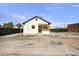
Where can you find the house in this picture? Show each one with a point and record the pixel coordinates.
(73, 27)
(36, 25)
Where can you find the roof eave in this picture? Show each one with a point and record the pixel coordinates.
(39, 18)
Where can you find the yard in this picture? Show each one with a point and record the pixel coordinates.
(54, 44)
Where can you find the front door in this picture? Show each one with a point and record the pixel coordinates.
(39, 29)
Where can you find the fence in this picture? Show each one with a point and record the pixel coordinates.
(5, 31)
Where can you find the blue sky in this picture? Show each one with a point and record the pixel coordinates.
(59, 14)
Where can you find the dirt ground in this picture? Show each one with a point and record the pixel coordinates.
(53, 44)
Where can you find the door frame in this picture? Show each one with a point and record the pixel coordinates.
(39, 29)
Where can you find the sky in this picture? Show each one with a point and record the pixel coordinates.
(58, 14)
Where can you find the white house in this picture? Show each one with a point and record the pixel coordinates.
(36, 25)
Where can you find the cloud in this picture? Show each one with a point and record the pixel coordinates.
(16, 18)
(75, 5)
(19, 16)
(49, 8)
(60, 24)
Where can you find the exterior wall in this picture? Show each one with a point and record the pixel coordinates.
(73, 27)
(27, 27)
(45, 31)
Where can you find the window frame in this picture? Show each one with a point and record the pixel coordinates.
(33, 26)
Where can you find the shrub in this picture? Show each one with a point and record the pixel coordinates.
(5, 31)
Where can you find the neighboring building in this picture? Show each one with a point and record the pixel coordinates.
(36, 25)
(73, 27)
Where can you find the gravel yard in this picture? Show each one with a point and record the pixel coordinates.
(54, 44)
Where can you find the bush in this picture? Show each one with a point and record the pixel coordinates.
(5, 31)
(59, 30)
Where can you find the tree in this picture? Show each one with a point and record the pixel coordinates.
(18, 25)
(8, 25)
(0, 26)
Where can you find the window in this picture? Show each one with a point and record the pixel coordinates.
(33, 26)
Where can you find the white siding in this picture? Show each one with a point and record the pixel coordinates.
(27, 27)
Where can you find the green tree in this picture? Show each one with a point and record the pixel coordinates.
(8, 25)
(18, 25)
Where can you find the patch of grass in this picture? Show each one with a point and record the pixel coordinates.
(75, 33)
(75, 47)
(30, 35)
(25, 37)
(52, 36)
